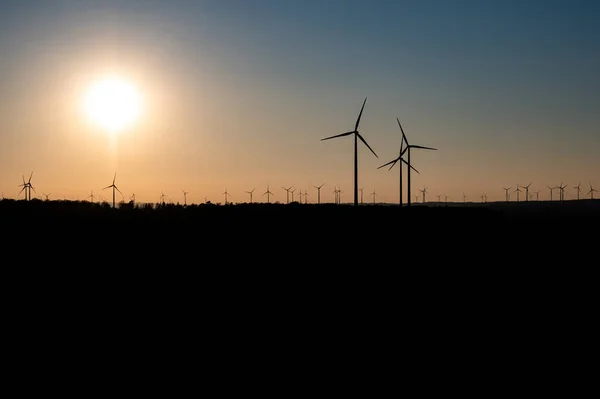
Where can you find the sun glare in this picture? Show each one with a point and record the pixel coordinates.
(113, 103)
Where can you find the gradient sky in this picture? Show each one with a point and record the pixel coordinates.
(237, 95)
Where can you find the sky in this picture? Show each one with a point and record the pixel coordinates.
(237, 94)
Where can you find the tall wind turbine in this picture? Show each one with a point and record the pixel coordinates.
(526, 192)
(507, 193)
(578, 188)
(113, 189)
(518, 190)
(393, 162)
(551, 189)
(185, 193)
(537, 195)
(357, 136)
(562, 191)
(287, 198)
(424, 191)
(250, 192)
(27, 187)
(226, 194)
(301, 194)
(268, 193)
(374, 194)
(407, 149)
(293, 191)
(319, 192)
(592, 191)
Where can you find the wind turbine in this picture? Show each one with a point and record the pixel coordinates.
(287, 198)
(507, 193)
(269, 193)
(591, 192)
(464, 198)
(537, 195)
(26, 187)
(226, 194)
(446, 198)
(132, 198)
(162, 197)
(361, 194)
(113, 189)
(439, 197)
(292, 191)
(357, 136)
(393, 162)
(424, 191)
(91, 196)
(319, 192)
(551, 189)
(562, 191)
(374, 194)
(518, 190)
(185, 193)
(305, 196)
(301, 194)
(250, 192)
(407, 148)
(577, 187)
(526, 192)
(46, 195)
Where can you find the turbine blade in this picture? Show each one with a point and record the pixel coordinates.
(118, 190)
(360, 114)
(423, 148)
(402, 130)
(391, 162)
(338, 135)
(106, 187)
(409, 165)
(30, 176)
(363, 140)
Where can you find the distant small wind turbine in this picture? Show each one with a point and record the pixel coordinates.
(91, 196)
(361, 194)
(27, 187)
(439, 197)
(268, 193)
(292, 191)
(526, 192)
(592, 191)
(518, 190)
(250, 192)
(301, 194)
(319, 192)
(537, 195)
(507, 193)
(357, 136)
(46, 195)
(162, 197)
(424, 191)
(446, 198)
(551, 189)
(464, 198)
(562, 191)
(113, 189)
(305, 196)
(374, 194)
(226, 194)
(185, 193)
(578, 188)
(287, 198)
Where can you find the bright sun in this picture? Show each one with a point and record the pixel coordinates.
(113, 103)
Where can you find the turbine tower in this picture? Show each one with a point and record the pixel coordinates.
(507, 193)
(526, 192)
(319, 192)
(374, 194)
(27, 187)
(578, 188)
(407, 149)
(393, 162)
(113, 189)
(250, 192)
(592, 191)
(226, 195)
(287, 198)
(357, 136)
(268, 193)
(424, 191)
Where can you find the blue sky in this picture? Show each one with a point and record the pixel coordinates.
(241, 92)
